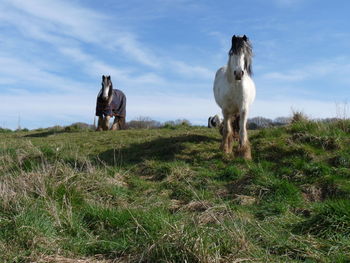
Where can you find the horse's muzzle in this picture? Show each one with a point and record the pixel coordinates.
(238, 74)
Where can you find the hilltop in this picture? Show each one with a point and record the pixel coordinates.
(170, 195)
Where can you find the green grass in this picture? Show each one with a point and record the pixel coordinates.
(170, 195)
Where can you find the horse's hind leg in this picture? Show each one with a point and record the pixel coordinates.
(235, 126)
(227, 138)
(122, 123)
(119, 123)
(244, 145)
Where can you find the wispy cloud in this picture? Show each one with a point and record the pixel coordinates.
(62, 23)
(67, 26)
(272, 108)
(191, 71)
(285, 76)
(64, 109)
(26, 74)
(331, 67)
(95, 68)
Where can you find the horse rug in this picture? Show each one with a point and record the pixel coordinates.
(115, 108)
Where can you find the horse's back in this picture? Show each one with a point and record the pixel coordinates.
(118, 104)
(220, 84)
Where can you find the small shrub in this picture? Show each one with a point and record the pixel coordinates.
(143, 123)
(176, 124)
(4, 130)
(79, 126)
(299, 116)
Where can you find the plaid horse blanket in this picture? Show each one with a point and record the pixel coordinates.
(116, 108)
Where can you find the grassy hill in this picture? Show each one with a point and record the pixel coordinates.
(170, 195)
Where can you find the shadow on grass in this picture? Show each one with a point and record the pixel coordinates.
(43, 134)
(161, 149)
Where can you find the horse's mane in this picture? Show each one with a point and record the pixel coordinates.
(243, 45)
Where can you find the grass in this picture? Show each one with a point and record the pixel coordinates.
(170, 195)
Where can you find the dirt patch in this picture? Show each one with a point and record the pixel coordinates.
(245, 199)
(214, 215)
(312, 193)
(197, 206)
(317, 193)
(175, 205)
(117, 180)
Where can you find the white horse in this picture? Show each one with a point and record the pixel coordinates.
(234, 92)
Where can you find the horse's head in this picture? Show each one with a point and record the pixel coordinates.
(107, 87)
(240, 56)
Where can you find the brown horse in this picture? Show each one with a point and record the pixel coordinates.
(110, 103)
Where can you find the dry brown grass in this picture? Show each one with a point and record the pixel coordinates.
(62, 259)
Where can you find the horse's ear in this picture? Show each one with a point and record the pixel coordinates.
(103, 77)
(233, 39)
(233, 44)
(245, 38)
(108, 77)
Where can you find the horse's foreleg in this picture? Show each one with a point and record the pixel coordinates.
(106, 123)
(226, 144)
(244, 145)
(100, 124)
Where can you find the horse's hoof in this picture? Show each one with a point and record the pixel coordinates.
(245, 152)
(115, 128)
(226, 150)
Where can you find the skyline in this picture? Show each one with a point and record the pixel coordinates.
(164, 55)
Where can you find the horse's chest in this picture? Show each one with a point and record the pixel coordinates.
(234, 94)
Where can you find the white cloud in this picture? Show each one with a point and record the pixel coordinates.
(335, 67)
(187, 70)
(131, 46)
(96, 68)
(61, 23)
(284, 106)
(45, 110)
(26, 74)
(288, 76)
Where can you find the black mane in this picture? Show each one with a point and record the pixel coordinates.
(242, 45)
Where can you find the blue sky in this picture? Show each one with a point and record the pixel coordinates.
(164, 54)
